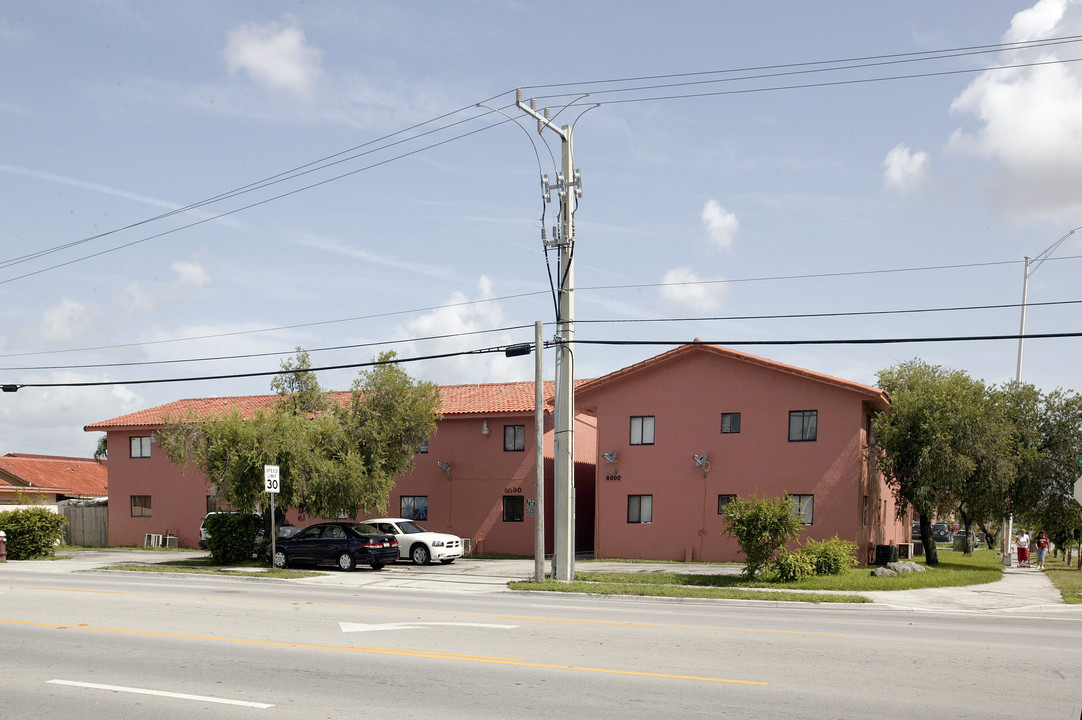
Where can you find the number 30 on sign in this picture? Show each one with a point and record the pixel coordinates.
(270, 478)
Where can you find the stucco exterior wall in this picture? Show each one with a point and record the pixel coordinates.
(178, 494)
(687, 397)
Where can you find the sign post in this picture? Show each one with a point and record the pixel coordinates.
(272, 484)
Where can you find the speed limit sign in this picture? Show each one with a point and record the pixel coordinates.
(270, 478)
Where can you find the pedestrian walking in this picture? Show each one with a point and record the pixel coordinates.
(1042, 548)
(1022, 543)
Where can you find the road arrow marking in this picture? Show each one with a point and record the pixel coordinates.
(361, 627)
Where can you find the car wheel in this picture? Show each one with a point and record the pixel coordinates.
(448, 561)
(281, 560)
(420, 555)
(377, 566)
(345, 562)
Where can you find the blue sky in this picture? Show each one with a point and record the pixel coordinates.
(710, 190)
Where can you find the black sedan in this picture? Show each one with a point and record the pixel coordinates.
(346, 544)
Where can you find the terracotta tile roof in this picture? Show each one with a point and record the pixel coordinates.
(879, 397)
(487, 398)
(65, 475)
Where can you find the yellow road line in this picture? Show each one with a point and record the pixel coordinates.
(391, 651)
(520, 618)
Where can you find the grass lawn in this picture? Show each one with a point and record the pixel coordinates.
(1066, 578)
(204, 566)
(954, 569)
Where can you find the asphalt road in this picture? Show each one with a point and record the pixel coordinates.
(116, 645)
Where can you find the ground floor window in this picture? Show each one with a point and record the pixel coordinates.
(140, 506)
(413, 507)
(640, 508)
(514, 508)
(803, 507)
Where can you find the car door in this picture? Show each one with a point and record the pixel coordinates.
(304, 545)
(330, 543)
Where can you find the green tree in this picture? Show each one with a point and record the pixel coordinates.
(333, 458)
(101, 452)
(762, 527)
(1046, 443)
(940, 445)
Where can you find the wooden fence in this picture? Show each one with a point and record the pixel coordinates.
(88, 525)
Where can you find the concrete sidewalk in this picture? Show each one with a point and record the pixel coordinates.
(1021, 591)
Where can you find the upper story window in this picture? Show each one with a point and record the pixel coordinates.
(424, 446)
(724, 500)
(642, 429)
(514, 438)
(140, 446)
(803, 425)
(730, 422)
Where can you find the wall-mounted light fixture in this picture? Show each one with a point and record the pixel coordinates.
(446, 467)
(700, 461)
(484, 428)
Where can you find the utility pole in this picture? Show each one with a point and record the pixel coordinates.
(569, 187)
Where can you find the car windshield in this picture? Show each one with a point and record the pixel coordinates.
(365, 530)
(410, 528)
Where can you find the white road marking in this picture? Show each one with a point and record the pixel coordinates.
(161, 693)
(360, 627)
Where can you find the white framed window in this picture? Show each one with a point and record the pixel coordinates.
(803, 507)
(140, 446)
(642, 429)
(640, 508)
(803, 425)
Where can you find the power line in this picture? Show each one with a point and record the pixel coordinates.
(13, 387)
(613, 321)
(633, 286)
(323, 163)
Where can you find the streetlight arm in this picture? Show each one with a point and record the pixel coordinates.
(1039, 260)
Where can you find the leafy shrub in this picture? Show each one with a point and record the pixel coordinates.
(32, 532)
(233, 538)
(792, 566)
(831, 557)
(762, 527)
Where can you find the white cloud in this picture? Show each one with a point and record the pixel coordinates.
(721, 225)
(1029, 119)
(275, 55)
(138, 298)
(66, 320)
(49, 421)
(904, 170)
(458, 317)
(684, 287)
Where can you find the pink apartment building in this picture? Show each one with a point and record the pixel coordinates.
(660, 447)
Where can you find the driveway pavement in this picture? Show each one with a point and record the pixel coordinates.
(1022, 590)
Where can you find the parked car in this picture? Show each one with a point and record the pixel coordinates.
(346, 544)
(203, 534)
(419, 545)
(941, 532)
(915, 537)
